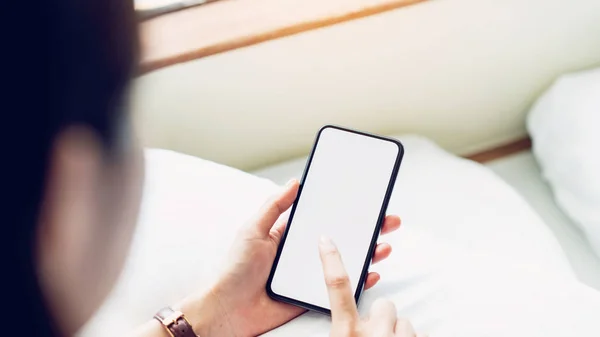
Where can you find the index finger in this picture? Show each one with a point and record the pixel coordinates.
(341, 299)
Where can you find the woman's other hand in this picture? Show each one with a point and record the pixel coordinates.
(382, 320)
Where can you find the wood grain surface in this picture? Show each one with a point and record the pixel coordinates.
(501, 151)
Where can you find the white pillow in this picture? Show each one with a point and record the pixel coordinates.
(565, 127)
(450, 200)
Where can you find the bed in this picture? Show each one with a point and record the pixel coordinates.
(472, 246)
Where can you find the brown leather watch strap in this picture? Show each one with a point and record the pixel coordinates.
(175, 323)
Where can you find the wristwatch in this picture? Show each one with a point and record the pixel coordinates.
(175, 323)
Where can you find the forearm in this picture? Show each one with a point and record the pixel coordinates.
(202, 311)
(151, 329)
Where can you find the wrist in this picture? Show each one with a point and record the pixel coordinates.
(206, 315)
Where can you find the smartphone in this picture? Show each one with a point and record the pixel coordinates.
(343, 194)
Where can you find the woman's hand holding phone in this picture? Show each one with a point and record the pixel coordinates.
(346, 322)
(238, 304)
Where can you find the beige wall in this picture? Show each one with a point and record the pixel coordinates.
(462, 72)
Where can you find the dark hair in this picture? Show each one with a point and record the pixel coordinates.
(70, 63)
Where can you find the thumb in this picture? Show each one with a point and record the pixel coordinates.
(275, 206)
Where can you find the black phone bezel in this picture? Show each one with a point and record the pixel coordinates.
(375, 235)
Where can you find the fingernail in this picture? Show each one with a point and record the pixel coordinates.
(326, 243)
(290, 182)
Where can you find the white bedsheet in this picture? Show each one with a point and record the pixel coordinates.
(522, 172)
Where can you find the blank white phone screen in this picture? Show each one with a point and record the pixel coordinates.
(342, 197)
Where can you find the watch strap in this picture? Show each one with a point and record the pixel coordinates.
(175, 323)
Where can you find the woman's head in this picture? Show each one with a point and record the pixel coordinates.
(75, 169)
